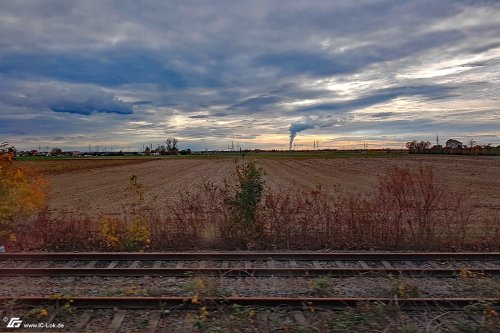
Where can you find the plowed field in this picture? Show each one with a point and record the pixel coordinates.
(103, 189)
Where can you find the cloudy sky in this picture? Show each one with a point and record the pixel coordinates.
(128, 73)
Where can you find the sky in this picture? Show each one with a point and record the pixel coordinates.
(120, 74)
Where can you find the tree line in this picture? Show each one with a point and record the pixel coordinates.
(452, 146)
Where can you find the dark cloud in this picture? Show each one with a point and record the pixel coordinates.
(102, 68)
(58, 97)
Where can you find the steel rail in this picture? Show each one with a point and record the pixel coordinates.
(185, 302)
(304, 256)
(242, 272)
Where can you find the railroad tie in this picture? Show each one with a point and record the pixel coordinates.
(91, 264)
(154, 320)
(69, 264)
(299, 318)
(363, 264)
(435, 265)
(117, 321)
(24, 264)
(135, 264)
(187, 325)
(339, 264)
(387, 264)
(84, 320)
(113, 264)
(262, 323)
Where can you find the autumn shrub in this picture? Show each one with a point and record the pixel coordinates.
(22, 194)
(412, 200)
(132, 234)
(51, 232)
(243, 199)
(409, 209)
(116, 235)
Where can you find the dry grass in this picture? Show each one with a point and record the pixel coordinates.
(409, 209)
(102, 190)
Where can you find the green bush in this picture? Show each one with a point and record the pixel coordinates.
(246, 197)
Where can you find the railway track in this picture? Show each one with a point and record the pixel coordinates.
(142, 302)
(285, 267)
(234, 264)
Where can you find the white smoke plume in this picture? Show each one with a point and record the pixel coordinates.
(308, 122)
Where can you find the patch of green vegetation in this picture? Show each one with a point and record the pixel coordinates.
(320, 284)
(361, 318)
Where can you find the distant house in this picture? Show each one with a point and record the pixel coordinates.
(454, 144)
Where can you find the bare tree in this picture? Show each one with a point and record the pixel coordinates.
(472, 143)
(168, 142)
(171, 145)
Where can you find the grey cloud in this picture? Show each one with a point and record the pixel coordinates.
(381, 114)
(147, 62)
(60, 97)
(257, 103)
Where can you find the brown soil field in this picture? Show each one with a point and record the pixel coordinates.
(101, 188)
(58, 166)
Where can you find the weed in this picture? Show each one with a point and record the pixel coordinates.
(346, 320)
(38, 312)
(304, 329)
(319, 284)
(405, 290)
(467, 326)
(136, 188)
(242, 312)
(408, 328)
(112, 231)
(487, 311)
(142, 323)
(117, 236)
(245, 199)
